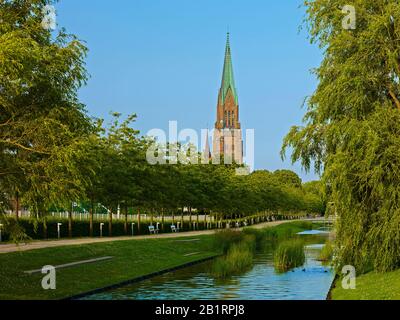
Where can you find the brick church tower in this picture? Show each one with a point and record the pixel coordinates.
(227, 139)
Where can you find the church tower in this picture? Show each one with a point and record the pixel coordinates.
(227, 139)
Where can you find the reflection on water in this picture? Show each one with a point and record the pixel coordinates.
(309, 282)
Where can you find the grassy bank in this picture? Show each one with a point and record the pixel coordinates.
(131, 259)
(371, 286)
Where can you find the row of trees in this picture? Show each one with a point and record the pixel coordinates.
(52, 153)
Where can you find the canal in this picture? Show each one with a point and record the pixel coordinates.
(311, 281)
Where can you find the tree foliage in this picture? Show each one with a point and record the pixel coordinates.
(42, 122)
(352, 127)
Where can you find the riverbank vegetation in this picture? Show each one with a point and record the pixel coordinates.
(326, 254)
(238, 258)
(285, 231)
(352, 129)
(289, 254)
(240, 247)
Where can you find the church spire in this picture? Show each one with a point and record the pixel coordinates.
(228, 80)
(207, 149)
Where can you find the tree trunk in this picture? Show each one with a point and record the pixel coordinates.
(44, 229)
(138, 216)
(182, 219)
(110, 215)
(126, 220)
(91, 218)
(70, 223)
(17, 205)
(162, 219)
(190, 219)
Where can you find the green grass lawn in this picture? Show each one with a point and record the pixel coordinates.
(371, 286)
(131, 259)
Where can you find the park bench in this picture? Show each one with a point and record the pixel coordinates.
(174, 228)
(153, 230)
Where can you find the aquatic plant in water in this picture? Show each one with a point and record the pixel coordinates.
(238, 259)
(326, 253)
(289, 255)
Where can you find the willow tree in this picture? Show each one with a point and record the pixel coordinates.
(352, 126)
(42, 122)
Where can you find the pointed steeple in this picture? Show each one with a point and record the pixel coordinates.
(207, 149)
(228, 80)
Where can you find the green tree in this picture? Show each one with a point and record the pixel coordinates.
(42, 122)
(352, 127)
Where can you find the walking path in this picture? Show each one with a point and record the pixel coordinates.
(7, 248)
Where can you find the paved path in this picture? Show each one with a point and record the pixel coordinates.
(7, 248)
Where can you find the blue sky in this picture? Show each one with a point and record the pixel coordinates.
(163, 60)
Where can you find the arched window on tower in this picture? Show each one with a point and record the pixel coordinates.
(226, 119)
(233, 118)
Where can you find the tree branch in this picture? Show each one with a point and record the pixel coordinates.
(395, 100)
(24, 147)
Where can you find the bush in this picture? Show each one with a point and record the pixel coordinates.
(289, 255)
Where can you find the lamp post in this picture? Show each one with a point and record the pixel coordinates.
(58, 230)
(101, 230)
(132, 225)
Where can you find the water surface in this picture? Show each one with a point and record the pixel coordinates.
(309, 282)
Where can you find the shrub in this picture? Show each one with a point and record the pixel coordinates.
(288, 255)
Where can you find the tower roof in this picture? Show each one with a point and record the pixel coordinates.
(207, 149)
(228, 80)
